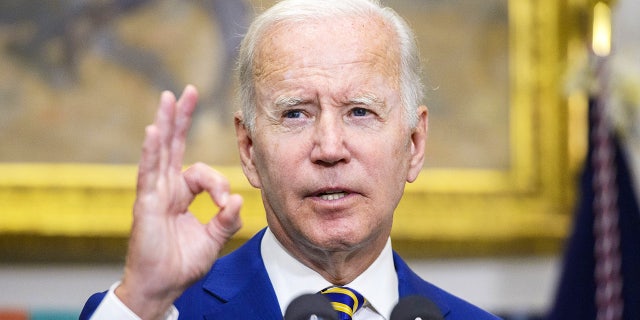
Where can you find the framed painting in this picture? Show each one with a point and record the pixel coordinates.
(79, 83)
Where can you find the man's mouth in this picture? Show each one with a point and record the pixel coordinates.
(333, 195)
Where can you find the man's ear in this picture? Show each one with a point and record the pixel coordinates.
(245, 146)
(418, 144)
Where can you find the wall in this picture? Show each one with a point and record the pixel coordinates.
(502, 285)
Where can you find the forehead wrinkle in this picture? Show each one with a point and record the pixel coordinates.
(267, 62)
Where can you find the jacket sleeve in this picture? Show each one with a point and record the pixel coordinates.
(91, 305)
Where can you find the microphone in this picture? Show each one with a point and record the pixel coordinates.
(416, 308)
(310, 307)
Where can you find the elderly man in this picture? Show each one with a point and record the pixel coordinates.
(331, 128)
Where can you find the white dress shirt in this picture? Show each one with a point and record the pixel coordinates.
(290, 279)
(112, 308)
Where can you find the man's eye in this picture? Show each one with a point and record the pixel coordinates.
(359, 112)
(293, 114)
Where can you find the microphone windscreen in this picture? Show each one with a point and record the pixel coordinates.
(307, 305)
(416, 307)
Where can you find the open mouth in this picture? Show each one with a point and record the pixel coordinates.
(333, 195)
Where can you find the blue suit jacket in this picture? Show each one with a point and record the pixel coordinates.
(238, 287)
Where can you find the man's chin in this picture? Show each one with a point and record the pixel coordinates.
(336, 242)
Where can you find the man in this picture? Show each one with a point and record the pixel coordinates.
(331, 129)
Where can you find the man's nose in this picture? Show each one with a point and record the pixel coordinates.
(329, 141)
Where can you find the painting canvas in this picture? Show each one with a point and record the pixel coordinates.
(79, 80)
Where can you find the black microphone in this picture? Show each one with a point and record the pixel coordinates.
(416, 308)
(310, 306)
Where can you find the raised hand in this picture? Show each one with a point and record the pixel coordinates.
(169, 248)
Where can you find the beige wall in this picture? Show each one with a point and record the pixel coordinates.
(499, 285)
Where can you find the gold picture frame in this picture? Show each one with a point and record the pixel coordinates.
(522, 209)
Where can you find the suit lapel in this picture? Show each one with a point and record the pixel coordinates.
(256, 301)
(242, 283)
(410, 283)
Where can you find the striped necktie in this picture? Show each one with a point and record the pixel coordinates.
(345, 300)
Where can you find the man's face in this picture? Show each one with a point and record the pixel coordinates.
(331, 150)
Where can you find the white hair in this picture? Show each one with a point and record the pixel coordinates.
(411, 88)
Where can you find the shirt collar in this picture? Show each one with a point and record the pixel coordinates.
(290, 278)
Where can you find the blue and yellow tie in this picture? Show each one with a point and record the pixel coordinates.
(345, 300)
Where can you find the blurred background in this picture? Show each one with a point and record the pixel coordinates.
(499, 216)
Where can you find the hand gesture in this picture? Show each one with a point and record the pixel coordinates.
(169, 248)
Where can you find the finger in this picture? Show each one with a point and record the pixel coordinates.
(182, 122)
(227, 222)
(148, 165)
(165, 125)
(200, 177)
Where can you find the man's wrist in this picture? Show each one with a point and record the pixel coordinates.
(141, 307)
